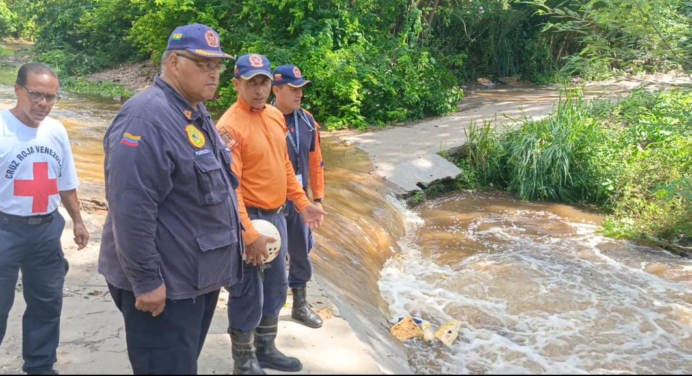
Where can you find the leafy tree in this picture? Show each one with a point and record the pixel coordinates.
(619, 35)
(8, 20)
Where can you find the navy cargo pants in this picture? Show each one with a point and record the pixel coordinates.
(36, 250)
(300, 243)
(170, 343)
(260, 294)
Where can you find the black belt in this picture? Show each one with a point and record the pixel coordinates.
(33, 220)
(257, 211)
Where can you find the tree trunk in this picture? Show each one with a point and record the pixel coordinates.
(431, 18)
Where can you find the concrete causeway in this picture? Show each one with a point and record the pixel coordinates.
(409, 155)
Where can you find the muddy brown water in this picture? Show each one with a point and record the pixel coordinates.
(536, 288)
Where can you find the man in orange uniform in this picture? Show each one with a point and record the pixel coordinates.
(256, 134)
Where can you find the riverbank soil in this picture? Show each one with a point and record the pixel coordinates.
(18, 52)
(135, 77)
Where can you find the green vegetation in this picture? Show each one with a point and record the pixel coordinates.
(377, 62)
(17, 19)
(632, 159)
(616, 36)
(5, 52)
(107, 89)
(374, 61)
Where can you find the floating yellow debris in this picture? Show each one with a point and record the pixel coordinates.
(406, 329)
(448, 332)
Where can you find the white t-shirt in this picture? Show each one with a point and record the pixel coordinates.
(35, 165)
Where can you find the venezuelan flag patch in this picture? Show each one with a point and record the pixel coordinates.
(131, 140)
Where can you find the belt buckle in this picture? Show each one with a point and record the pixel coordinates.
(35, 221)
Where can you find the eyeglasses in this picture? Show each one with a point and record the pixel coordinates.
(35, 96)
(207, 66)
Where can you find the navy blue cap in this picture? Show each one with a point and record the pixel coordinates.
(248, 66)
(289, 75)
(198, 39)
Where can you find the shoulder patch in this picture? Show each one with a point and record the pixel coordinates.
(227, 138)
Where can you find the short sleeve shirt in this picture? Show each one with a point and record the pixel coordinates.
(36, 164)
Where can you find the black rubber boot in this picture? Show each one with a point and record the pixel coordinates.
(244, 358)
(267, 353)
(301, 310)
(44, 372)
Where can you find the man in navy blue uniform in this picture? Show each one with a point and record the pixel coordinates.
(172, 238)
(303, 142)
(38, 173)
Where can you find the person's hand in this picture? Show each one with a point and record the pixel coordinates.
(319, 205)
(81, 235)
(256, 252)
(153, 302)
(313, 216)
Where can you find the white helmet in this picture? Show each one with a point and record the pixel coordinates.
(268, 229)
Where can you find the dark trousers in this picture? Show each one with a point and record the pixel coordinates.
(300, 243)
(36, 250)
(260, 294)
(171, 342)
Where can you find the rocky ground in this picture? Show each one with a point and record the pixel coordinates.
(135, 76)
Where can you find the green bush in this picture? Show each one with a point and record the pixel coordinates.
(78, 37)
(8, 20)
(652, 198)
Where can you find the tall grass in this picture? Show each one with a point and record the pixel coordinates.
(546, 159)
(486, 154)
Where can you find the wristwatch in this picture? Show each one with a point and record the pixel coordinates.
(318, 200)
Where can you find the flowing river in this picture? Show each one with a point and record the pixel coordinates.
(536, 288)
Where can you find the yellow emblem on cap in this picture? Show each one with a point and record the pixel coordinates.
(195, 136)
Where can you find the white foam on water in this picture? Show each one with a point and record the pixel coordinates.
(536, 303)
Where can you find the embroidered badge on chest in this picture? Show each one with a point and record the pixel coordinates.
(195, 136)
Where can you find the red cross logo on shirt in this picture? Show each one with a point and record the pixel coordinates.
(40, 189)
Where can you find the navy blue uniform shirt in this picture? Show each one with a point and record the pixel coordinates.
(173, 215)
(302, 131)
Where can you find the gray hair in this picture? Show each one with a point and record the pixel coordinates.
(164, 58)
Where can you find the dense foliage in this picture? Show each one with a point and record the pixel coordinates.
(615, 36)
(374, 61)
(631, 159)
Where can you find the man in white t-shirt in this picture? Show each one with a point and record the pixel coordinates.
(37, 172)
